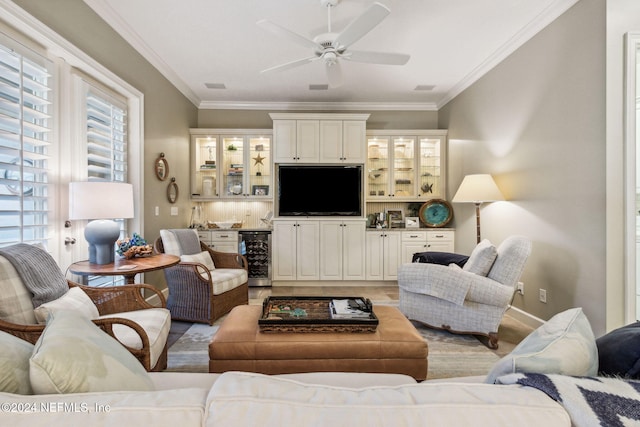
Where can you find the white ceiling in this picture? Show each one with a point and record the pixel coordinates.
(451, 42)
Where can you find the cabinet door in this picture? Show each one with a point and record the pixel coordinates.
(260, 167)
(331, 250)
(353, 250)
(284, 140)
(375, 255)
(392, 255)
(284, 238)
(430, 176)
(331, 141)
(308, 141)
(308, 245)
(354, 144)
(204, 156)
(233, 166)
(403, 180)
(378, 168)
(413, 242)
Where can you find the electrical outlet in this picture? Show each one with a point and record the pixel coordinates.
(520, 288)
(543, 295)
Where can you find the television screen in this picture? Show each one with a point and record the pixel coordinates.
(320, 190)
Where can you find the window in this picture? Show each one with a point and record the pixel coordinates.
(26, 116)
(106, 145)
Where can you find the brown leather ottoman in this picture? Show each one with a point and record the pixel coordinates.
(395, 347)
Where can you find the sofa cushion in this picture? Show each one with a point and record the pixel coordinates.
(203, 258)
(481, 258)
(14, 364)
(564, 345)
(15, 299)
(241, 399)
(180, 241)
(75, 299)
(619, 352)
(155, 321)
(73, 355)
(225, 279)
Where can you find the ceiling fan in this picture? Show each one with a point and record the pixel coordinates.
(332, 47)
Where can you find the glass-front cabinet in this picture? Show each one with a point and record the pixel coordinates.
(231, 163)
(406, 165)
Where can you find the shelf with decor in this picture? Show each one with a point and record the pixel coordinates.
(231, 163)
(405, 165)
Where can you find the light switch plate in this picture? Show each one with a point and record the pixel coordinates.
(174, 210)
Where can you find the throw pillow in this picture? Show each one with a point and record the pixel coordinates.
(75, 299)
(73, 355)
(14, 364)
(203, 258)
(564, 345)
(481, 258)
(619, 352)
(441, 258)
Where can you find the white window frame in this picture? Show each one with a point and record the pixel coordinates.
(68, 57)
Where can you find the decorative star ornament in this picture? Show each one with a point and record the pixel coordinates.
(258, 160)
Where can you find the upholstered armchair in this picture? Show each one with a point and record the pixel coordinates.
(206, 284)
(120, 311)
(471, 299)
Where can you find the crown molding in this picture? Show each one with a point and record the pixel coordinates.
(112, 19)
(542, 20)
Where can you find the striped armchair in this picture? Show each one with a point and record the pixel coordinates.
(468, 300)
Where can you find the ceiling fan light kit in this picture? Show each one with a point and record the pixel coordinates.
(333, 47)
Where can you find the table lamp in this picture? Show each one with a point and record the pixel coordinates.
(478, 188)
(101, 202)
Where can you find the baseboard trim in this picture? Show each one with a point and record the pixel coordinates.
(326, 283)
(524, 317)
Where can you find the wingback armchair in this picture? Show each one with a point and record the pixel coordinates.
(121, 311)
(471, 299)
(206, 284)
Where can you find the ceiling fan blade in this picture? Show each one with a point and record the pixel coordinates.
(385, 58)
(287, 34)
(362, 25)
(291, 64)
(334, 73)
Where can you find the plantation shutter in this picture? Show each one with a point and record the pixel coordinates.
(26, 111)
(106, 135)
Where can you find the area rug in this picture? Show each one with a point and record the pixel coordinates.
(450, 355)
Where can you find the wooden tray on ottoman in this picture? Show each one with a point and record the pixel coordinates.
(312, 314)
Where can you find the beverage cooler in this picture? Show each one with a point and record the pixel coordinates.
(255, 245)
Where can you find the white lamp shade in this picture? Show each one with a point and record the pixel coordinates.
(100, 200)
(477, 189)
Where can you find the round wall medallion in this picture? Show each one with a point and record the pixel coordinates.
(436, 213)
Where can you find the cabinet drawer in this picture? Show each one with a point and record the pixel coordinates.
(412, 236)
(204, 236)
(437, 236)
(224, 236)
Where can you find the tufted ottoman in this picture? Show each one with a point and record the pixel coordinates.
(395, 347)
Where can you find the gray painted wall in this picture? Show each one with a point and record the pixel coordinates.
(253, 119)
(536, 123)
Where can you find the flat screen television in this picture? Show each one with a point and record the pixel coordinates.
(320, 190)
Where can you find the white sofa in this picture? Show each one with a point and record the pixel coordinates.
(236, 399)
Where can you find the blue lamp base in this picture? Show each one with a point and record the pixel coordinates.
(102, 235)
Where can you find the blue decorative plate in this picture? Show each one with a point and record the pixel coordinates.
(436, 213)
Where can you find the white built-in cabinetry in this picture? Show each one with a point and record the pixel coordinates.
(319, 138)
(220, 240)
(296, 248)
(231, 163)
(342, 250)
(387, 249)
